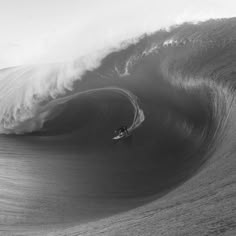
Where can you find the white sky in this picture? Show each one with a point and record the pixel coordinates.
(55, 30)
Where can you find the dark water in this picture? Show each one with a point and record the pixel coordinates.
(174, 176)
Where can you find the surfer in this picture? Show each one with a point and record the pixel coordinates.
(122, 131)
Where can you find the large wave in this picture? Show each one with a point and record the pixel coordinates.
(181, 79)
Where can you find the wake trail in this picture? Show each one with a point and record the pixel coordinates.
(139, 116)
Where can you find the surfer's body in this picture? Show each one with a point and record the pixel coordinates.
(121, 133)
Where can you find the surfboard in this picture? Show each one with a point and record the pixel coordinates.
(121, 136)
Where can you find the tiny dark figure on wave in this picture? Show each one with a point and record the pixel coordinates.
(122, 131)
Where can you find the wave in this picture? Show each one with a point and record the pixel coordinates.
(178, 83)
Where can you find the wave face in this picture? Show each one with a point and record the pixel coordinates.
(174, 90)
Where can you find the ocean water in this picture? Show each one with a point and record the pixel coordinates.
(61, 172)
